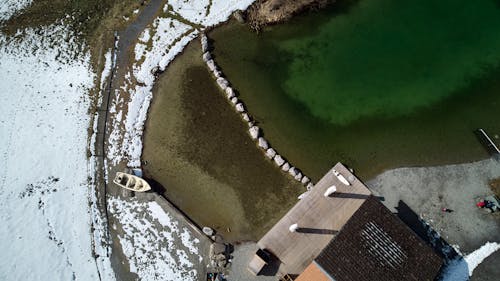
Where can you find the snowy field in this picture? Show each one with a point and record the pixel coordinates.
(44, 189)
(46, 178)
(168, 37)
(156, 246)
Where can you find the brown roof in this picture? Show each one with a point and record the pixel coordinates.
(313, 273)
(376, 245)
(319, 219)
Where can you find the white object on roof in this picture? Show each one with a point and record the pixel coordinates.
(293, 227)
(332, 189)
(341, 178)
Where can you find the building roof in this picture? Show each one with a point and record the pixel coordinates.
(319, 219)
(313, 273)
(376, 245)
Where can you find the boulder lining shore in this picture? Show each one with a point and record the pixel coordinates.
(254, 131)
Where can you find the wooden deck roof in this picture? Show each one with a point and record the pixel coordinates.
(319, 219)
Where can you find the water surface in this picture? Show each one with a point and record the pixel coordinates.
(375, 84)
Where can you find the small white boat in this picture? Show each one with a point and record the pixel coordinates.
(131, 182)
(341, 178)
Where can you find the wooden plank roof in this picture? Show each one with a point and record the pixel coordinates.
(377, 245)
(319, 219)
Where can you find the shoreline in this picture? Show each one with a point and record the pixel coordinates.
(269, 12)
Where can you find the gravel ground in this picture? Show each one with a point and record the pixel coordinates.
(457, 187)
(242, 255)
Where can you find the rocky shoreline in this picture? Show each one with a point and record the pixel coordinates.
(267, 12)
(254, 131)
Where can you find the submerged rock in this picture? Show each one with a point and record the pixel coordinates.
(239, 107)
(279, 160)
(270, 153)
(254, 132)
(263, 143)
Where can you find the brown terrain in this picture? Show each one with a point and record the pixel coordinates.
(266, 12)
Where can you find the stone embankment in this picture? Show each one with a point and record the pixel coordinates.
(254, 131)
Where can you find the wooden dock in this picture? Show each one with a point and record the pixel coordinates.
(487, 142)
(319, 218)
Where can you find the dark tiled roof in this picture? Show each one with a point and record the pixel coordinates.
(376, 245)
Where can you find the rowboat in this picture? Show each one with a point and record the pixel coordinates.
(131, 182)
(341, 178)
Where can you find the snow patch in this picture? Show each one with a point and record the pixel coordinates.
(8, 8)
(461, 268)
(44, 180)
(150, 240)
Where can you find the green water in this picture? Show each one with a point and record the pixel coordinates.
(376, 84)
(390, 58)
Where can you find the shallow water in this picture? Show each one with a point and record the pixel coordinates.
(374, 84)
(198, 148)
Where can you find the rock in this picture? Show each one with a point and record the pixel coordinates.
(218, 249)
(270, 153)
(221, 263)
(234, 100)
(263, 143)
(254, 132)
(239, 16)
(208, 231)
(156, 71)
(204, 43)
(279, 160)
(217, 73)
(245, 117)
(206, 56)
(222, 82)
(292, 171)
(285, 167)
(298, 177)
(211, 65)
(305, 180)
(250, 124)
(229, 93)
(239, 107)
(309, 186)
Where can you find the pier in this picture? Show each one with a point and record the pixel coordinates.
(487, 142)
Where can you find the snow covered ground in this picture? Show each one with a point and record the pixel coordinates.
(10, 7)
(46, 179)
(44, 188)
(156, 246)
(461, 269)
(166, 38)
